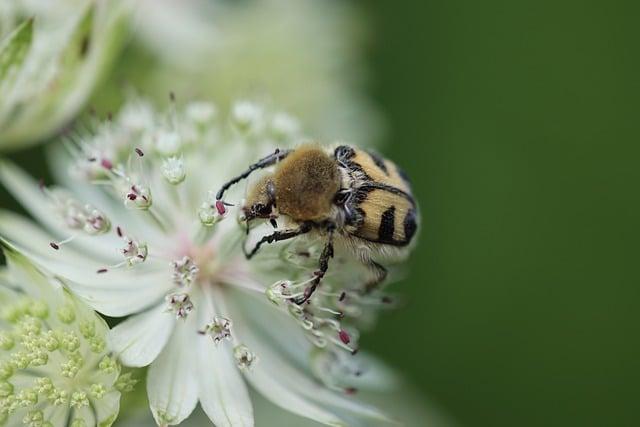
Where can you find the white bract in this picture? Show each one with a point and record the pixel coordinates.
(50, 64)
(55, 368)
(146, 239)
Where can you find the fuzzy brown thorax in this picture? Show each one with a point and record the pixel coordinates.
(306, 183)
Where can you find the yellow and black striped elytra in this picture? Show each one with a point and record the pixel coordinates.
(382, 209)
(339, 193)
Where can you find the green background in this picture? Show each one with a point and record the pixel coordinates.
(514, 119)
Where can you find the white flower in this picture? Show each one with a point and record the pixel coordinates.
(205, 319)
(306, 56)
(50, 63)
(54, 365)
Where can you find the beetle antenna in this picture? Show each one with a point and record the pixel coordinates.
(265, 162)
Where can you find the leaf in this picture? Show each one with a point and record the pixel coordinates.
(14, 48)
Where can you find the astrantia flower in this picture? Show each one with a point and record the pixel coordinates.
(261, 48)
(52, 54)
(138, 232)
(54, 365)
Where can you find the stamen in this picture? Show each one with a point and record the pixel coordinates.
(134, 251)
(77, 216)
(137, 197)
(185, 272)
(245, 358)
(173, 170)
(180, 305)
(106, 163)
(212, 210)
(95, 222)
(344, 336)
(57, 245)
(219, 329)
(220, 207)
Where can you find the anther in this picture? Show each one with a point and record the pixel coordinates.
(245, 358)
(185, 272)
(219, 329)
(220, 207)
(138, 197)
(58, 245)
(105, 163)
(344, 336)
(134, 251)
(180, 305)
(102, 271)
(139, 152)
(173, 170)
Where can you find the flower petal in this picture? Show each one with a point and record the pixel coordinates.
(172, 384)
(298, 391)
(223, 392)
(33, 239)
(117, 293)
(139, 339)
(27, 191)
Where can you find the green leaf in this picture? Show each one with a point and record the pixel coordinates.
(14, 48)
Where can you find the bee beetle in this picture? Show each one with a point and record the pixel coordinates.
(343, 194)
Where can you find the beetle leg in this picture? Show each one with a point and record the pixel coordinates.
(327, 253)
(277, 236)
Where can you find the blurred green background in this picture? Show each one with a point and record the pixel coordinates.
(513, 118)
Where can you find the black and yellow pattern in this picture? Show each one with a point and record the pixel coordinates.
(385, 209)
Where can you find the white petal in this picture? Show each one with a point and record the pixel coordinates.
(276, 370)
(116, 293)
(223, 392)
(172, 383)
(139, 339)
(27, 191)
(273, 325)
(33, 239)
(278, 382)
(120, 302)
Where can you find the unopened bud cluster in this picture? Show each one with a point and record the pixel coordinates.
(54, 366)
